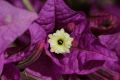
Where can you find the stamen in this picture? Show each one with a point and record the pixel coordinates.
(60, 41)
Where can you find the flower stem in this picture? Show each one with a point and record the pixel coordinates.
(28, 5)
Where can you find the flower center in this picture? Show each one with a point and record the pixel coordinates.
(60, 42)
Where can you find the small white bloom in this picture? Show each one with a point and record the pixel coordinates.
(60, 42)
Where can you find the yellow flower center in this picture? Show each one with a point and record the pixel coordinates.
(60, 42)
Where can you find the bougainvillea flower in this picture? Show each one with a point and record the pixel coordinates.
(104, 18)
(86, 53)
(104, 23)
(60, 42)
(102, 14)
(13, 23)
(112, 40)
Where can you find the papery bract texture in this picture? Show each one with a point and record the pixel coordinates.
(13, 23)
(55, 15)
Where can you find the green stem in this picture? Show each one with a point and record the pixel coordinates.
(28, 5)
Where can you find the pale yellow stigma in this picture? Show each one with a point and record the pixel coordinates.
(60, 42)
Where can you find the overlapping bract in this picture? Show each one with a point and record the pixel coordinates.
(86, 55)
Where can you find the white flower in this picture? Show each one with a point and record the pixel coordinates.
(60, 42)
